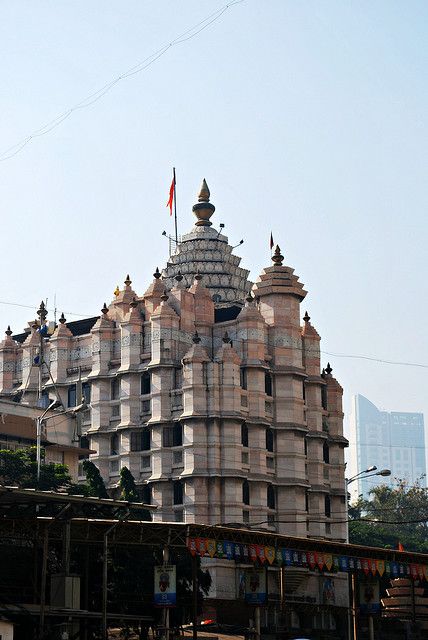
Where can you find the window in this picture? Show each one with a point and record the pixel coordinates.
(114, 466)
(177, 489)
(140, 440)
(177, 378)
(243, 378)
(326, 453)
(114, 445)
(71, 396)
(269, 440)
(86, 391)
(145, 463)
(305, 446)
(172, 436)
(84, 444)
(146, 386)
(146, 494)
(44, 400)
(304, 391)
(244, 435)
(268, 384)
(245, 492)
(177, 457)
(324, 397)
(270, 497)
(307, 501)
(327, 506)
(115, 389)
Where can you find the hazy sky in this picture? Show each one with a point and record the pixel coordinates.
(306, 117)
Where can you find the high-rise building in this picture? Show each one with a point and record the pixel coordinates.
(209, 388)
(388, 440)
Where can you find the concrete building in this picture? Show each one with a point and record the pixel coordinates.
(18, 431)
(209, 388)
(390, 440)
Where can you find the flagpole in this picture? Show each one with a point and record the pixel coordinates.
(175, 210)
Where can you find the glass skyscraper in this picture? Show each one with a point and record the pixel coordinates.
(390, 440)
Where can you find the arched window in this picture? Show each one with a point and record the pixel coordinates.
(270, 496)
(327, 506)
(245, 492)
(326, 452)
(244, 435)
(178, 492)
(269, 439)
(268, 384)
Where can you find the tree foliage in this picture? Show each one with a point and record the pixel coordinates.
(392, 515)
(96, 486)
(19, 469)
(128, 488)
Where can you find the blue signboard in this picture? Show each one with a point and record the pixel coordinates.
(165, 586)
(255, 586)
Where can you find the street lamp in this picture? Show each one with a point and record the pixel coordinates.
(382, 472)
(83, 406)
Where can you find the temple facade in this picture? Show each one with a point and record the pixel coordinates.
(209, 388)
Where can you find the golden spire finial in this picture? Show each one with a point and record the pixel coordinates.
(204, 192)
(203, 209)
(116, 291)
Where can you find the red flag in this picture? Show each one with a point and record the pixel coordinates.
(271, 241)
(171, 196)
(400, 546)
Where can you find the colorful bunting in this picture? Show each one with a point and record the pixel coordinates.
(270, 554)
(260, 554)
(211, 547)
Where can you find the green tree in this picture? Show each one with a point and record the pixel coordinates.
(392, 515)
(96, 486)
(127, 486)
(19, 469)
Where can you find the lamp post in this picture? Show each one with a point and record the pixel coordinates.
(382, 472)
(43, 418)
(367, 473)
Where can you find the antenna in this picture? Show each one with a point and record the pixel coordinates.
(221, 225)
(171, 240)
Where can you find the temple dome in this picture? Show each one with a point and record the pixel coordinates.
(205, 251)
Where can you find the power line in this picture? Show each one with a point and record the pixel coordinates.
(34, 307)
(373, 359)
(338, 355)
(138, 68)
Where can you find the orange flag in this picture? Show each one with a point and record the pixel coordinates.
(171, 196)
(400, 547)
